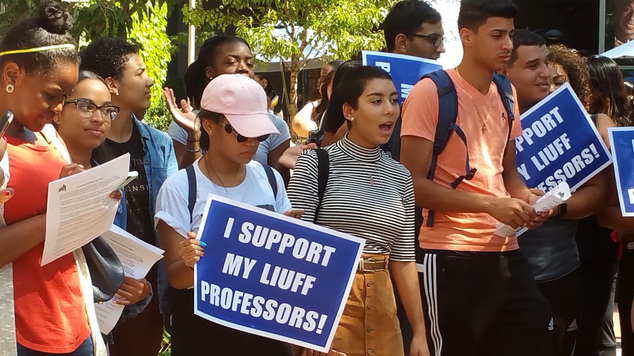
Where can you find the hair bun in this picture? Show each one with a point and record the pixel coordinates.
(54, 18)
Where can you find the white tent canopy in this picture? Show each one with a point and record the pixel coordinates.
(624, 50)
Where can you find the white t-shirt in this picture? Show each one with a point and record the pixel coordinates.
(273, 141)
(173, 197)
(179, 134)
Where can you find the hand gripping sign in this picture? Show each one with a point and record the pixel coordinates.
(271, 275)
(559, 143)
(405, 70)
(622, 145)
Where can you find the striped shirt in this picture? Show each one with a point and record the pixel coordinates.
(368, 195)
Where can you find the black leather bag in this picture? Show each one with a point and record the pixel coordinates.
(106, 270)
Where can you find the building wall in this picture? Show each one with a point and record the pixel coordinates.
(577, 19)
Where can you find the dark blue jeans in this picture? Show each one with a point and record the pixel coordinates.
(85, 349)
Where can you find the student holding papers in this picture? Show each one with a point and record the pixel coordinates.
(234, 119)
(53, 313)
(152, 156)
(83, 125)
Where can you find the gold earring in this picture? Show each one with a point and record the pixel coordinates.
(9, 88)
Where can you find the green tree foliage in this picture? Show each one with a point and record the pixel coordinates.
(311, 28)
(149, 33)
(142, 22)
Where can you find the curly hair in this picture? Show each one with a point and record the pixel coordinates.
(576, 70)
(107, 57)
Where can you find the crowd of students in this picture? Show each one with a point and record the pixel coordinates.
(453, 287)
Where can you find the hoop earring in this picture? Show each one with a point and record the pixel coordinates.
(9, 88)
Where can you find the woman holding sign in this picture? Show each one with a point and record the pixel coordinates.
(367, 195)
(234, 119)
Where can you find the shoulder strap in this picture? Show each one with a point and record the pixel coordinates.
(447, 108)
(191, 182)
(271, 177)
(323, 171)
(506, 94)
(51, 135)
(447, 114)
(594, 119)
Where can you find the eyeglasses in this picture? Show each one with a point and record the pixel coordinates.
(240, 138)
(87, 108)
(435, 38)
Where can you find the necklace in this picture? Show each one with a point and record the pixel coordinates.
(210, 169)
(370, 174)
(361, 164)
(484, 121)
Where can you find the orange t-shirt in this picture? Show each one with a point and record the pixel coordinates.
(50, 311)
(464, 231)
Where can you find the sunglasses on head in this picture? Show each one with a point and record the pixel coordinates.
(240, 138)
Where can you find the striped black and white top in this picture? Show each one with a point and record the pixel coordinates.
(368, 195)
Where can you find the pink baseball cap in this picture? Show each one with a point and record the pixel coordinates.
(242, 101)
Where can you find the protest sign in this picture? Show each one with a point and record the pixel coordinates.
(622, 145)
(559, 143)
(271, 275)
(405, 70)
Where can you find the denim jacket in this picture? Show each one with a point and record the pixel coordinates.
(159, 162)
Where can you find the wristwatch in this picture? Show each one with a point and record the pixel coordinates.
(562, 209)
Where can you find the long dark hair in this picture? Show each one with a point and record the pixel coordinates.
(49, 27)
(319, 110)
(350, 89)
(195, 77)
(332, 122)
(608, 91)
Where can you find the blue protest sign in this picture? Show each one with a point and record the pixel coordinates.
(559, 143)
(622, 145)
(271, 275)
(405, 70)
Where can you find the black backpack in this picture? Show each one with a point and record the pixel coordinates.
(447, 114)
